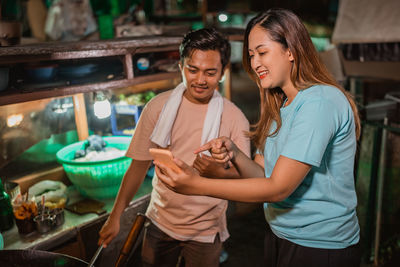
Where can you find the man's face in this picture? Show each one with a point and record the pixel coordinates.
(201, 73)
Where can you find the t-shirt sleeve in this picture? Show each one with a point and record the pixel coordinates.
(240, 125)
(140, 144)
(313, 127)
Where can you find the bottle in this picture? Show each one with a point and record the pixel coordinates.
(6, 211)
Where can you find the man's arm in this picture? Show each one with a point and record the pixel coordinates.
(131, 182)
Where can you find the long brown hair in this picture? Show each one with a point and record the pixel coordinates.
(284, 27)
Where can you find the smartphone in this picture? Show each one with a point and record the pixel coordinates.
(165, 157)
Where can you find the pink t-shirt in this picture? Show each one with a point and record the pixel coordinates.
(180, 216)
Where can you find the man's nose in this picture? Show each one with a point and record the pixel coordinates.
(201, 78)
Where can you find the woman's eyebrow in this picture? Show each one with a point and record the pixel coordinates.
(258, 46)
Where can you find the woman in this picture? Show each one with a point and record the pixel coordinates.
(306, 137)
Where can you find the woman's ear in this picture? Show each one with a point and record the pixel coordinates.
(290, 55)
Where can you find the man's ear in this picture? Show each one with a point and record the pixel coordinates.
(223, 74)
(180, 66)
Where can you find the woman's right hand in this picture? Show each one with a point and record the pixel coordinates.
(222, 149)
(109, 230)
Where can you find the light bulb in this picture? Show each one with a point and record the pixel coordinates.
(222, 17)
(14, 120)
(102, 109)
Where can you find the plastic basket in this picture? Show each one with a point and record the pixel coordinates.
(96, 179)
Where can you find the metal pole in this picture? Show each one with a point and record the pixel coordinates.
(381, 180)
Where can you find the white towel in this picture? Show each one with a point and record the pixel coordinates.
(162, 131)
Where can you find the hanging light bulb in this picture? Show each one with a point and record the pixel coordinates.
(102, 107)
(14, 120)
(222, 17)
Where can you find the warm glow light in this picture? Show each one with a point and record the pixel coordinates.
(14, 120)
(222, 17)
(102, 109)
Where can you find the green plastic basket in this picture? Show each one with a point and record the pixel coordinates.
(96, 179)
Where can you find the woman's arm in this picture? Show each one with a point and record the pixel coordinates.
(224, 150)
(285, 178)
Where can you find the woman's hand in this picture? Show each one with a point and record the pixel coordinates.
(109, 230)
(222, 149)
(183, 182)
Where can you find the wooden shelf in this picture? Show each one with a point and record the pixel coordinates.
(137, 84)
(86, 49)
(125, 47)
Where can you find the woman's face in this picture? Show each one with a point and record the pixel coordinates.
(269, 60)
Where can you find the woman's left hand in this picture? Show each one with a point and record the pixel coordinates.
(183, 182)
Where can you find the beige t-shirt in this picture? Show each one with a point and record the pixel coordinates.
(180, 216)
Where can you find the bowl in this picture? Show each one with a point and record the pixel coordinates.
(41, 73)
(96, 179)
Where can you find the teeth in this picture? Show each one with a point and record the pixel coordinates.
(263, 72)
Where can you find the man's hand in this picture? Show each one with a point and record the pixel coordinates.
(208, 167)
(109, 230)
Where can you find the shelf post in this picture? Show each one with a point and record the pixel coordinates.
(128, 67)
(80, 116)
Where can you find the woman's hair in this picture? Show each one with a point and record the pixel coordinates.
(205, 39)
(284, 27)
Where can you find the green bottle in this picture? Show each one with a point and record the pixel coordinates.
(6, 211)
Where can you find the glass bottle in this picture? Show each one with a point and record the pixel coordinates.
(6, 211)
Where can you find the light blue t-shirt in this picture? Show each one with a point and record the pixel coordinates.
(318, 128)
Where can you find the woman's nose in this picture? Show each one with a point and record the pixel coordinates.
(255, 62)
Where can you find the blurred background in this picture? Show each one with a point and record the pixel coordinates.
(112, 56)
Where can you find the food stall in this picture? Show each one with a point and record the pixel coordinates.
(63, 78)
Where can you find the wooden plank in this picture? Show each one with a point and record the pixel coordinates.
(228, 83)
(158, 85)
(11, 98)
(80, 116)
(154, 42)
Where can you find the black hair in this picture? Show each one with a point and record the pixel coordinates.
(205, 39)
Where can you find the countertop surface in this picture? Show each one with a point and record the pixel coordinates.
(70, 227)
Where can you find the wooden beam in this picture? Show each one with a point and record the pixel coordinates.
(228, 83)
(128, 67)
(80, 116)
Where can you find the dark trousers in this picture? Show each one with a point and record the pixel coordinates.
(161, 250)
(283, 253)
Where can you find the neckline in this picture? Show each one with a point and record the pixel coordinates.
(283, 107)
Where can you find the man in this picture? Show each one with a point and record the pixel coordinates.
(191, 227)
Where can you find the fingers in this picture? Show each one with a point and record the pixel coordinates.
(185, 168)
(205, 147)
(214, 144)
(105, 239)
(162, 173)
